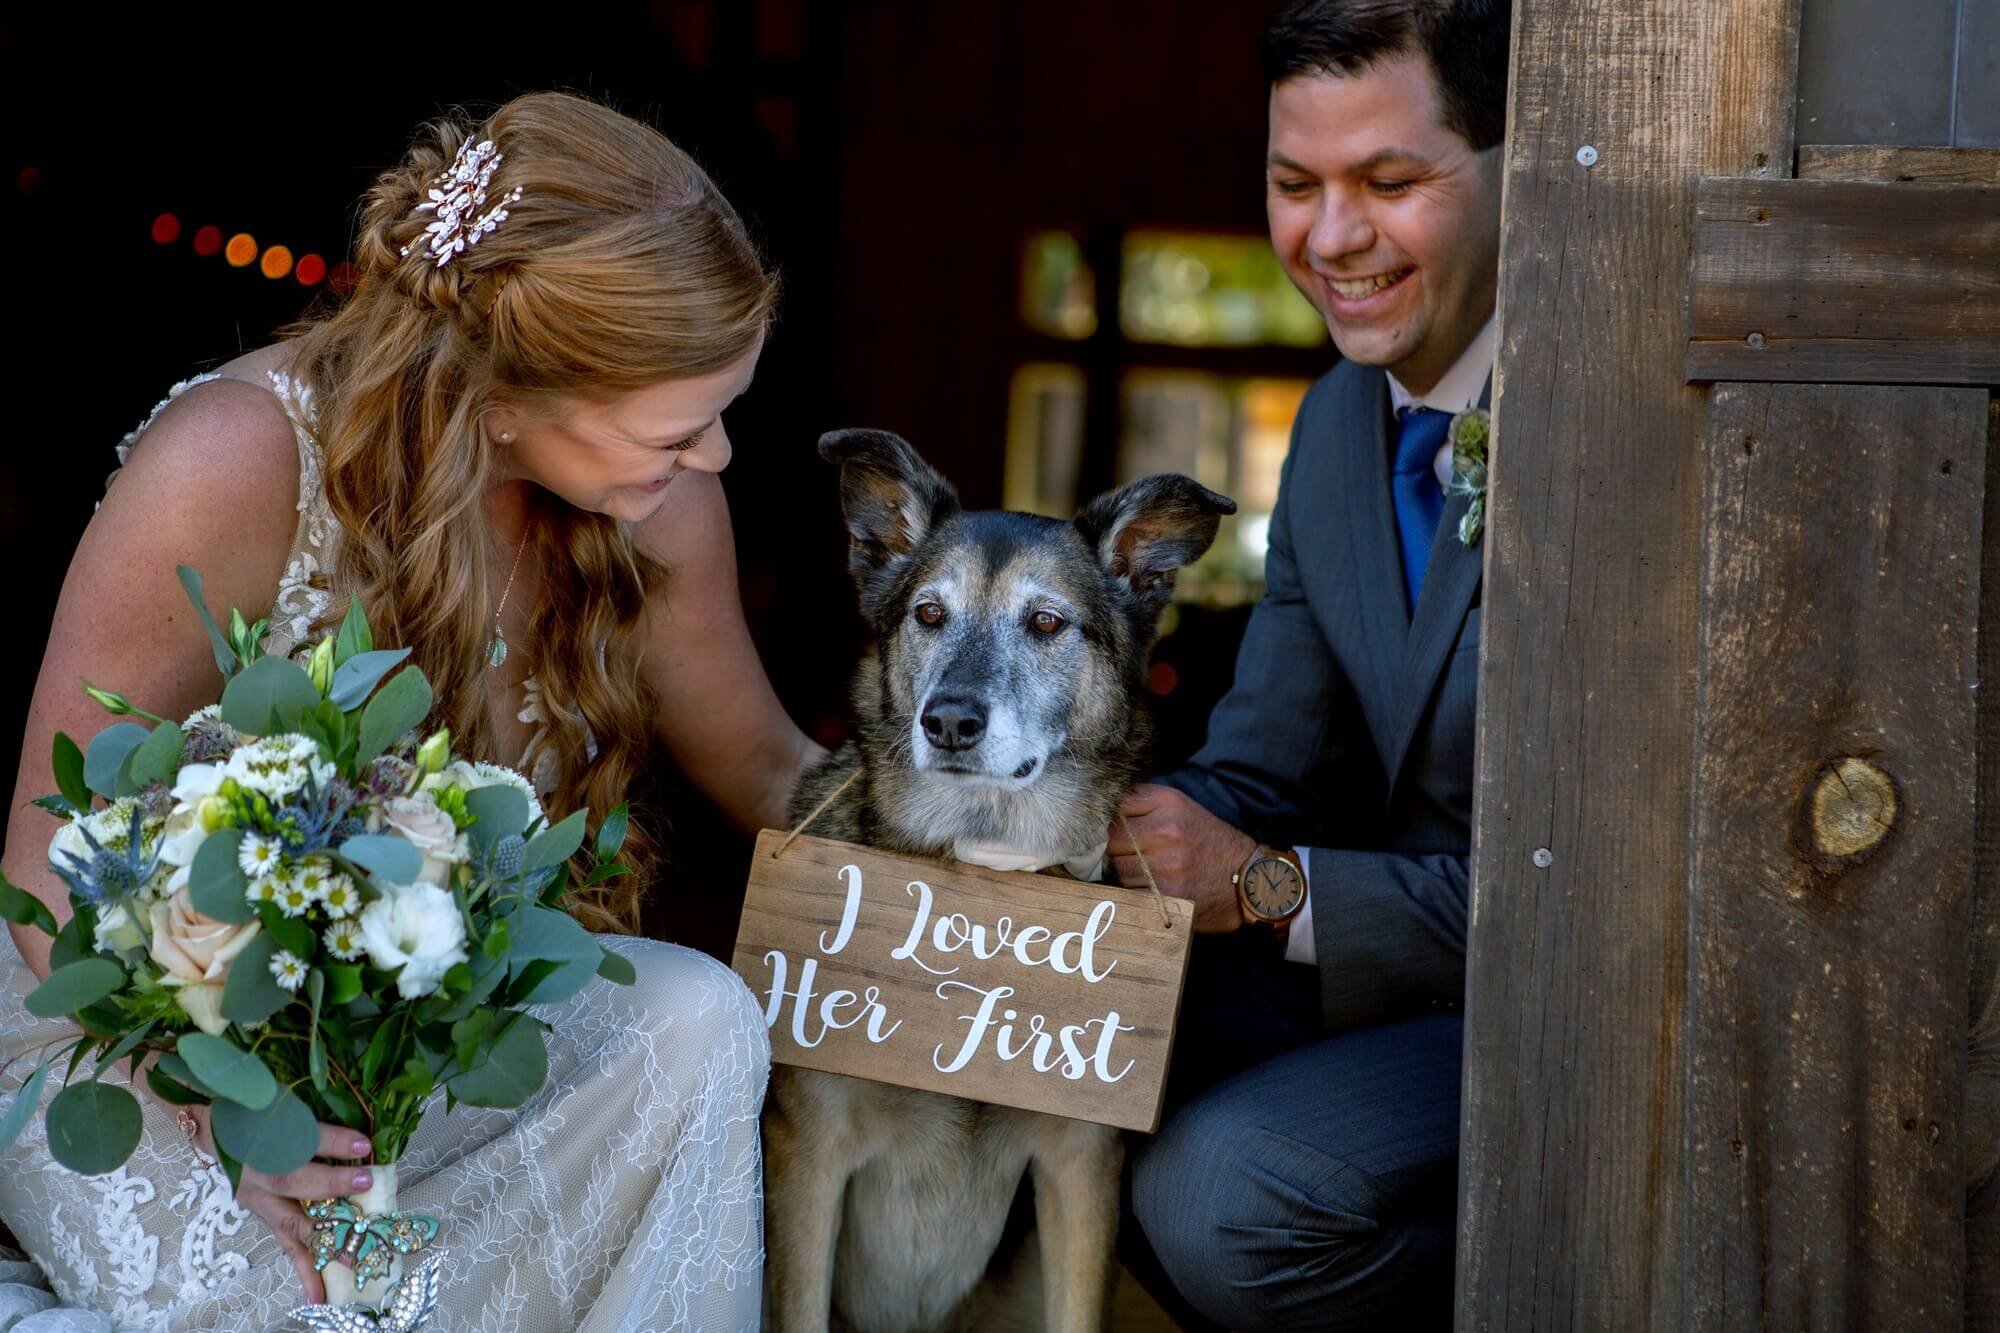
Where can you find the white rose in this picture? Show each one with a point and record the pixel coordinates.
(416, 928)
(117, 931)
(418, 821)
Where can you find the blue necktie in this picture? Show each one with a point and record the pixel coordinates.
(1419, 499)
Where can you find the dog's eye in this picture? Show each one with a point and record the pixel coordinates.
(1046, 623)
(930, 614)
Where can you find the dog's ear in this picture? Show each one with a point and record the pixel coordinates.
(1145, 531)
(892, 500)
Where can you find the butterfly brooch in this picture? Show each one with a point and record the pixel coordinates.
(411, 1304)
(368, 1245)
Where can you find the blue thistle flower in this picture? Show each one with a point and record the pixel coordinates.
(105, 874)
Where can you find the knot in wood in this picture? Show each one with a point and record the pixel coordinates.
(1853, 808)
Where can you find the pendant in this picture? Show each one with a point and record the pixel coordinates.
(499, 653)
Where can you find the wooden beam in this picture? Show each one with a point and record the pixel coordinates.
(1833, 832)
(1886, 162)
(1823, 281)
(1572, 1179)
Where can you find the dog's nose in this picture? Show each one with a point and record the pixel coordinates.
(954, 724)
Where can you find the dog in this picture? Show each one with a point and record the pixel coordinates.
(999, 708)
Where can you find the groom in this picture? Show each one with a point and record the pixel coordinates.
(1307, 1177)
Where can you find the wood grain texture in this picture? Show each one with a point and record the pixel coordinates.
(794, 906)
(1886, 162)
(1572, 1189)
(1845, 281)
(1982, 1066)
(1833, 829)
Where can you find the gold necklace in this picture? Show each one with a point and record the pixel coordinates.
(498, 652)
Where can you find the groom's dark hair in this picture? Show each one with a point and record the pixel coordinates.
(1464, 40)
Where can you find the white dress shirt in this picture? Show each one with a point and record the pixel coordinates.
(1462, 387)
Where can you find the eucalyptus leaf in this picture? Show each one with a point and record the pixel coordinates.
(76, 940)
(515, 1067)
(231, 1074)
(252, 994)
(398, 706)
(216, 881)
(59, 806)
(356, 678)
(75, 986)
(171, 1064)
(280, 1137)
(225, 656)
(25, 1103)
(617, 967)
(554, 845)
(500, 811)
(109, 750)
(385, 859)
(93, 1127)
(158, 758)
(69, 772)
(269, 695)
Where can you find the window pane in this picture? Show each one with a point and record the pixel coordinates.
(1044, 439)
(1231, 435)
(1058, 289)
(1204, 289)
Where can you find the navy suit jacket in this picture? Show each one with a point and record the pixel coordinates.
(1349, 726)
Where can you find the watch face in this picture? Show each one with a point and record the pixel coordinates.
(1273, 888)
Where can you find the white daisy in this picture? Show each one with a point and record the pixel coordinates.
(264, 888)
(278, 766)
(286, 967)
(312, 875)
(257, 855)
(293, 899)
(343, 939)
(339, 896)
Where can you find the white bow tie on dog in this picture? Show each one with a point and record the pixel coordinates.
(1086, 865)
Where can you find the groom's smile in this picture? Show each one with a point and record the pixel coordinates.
(1383, 216)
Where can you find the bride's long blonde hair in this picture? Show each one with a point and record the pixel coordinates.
(621, 266)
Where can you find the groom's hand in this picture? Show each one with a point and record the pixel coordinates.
(1193, 855)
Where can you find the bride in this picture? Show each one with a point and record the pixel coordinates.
(505, 445)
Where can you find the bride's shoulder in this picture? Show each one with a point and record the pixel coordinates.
(230, 426)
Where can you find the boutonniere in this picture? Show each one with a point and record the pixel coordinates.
(1470, 433)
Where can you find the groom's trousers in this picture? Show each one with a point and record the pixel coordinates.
(1298, 1181)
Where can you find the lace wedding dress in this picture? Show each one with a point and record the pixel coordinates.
(626, 1196)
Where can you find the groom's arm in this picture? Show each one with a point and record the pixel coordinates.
(1387, 930)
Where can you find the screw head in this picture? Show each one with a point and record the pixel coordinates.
(1586, 156)
(1755, 340)
(1543, 858)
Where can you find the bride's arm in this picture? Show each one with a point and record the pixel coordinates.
(213, 484)
(718, 714)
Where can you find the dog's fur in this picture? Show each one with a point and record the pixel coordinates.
(886, 1205)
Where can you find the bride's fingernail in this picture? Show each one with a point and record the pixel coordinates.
(360, 1147)
(362, 1180)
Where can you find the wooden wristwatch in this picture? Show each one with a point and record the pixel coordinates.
(1271, 886)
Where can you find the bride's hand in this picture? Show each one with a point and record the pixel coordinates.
(276, 1199)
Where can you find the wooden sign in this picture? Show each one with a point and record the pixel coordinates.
(1019, 989)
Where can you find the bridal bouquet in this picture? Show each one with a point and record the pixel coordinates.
(291, 910)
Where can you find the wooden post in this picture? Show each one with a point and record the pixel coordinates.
(1573, 1172)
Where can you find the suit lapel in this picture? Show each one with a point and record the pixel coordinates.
(1451, 580)
(1375, 557)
